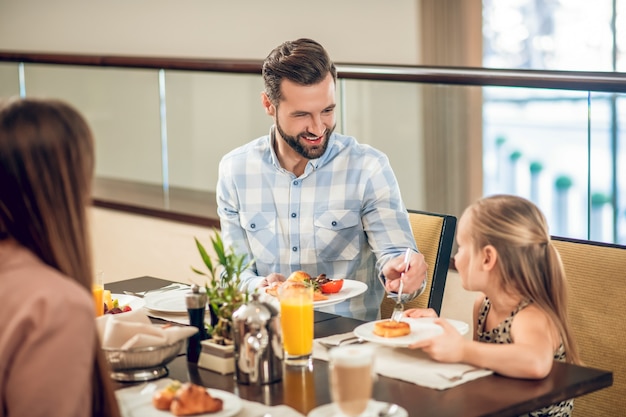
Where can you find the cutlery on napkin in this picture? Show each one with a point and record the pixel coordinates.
(411, 365)
(134, 329)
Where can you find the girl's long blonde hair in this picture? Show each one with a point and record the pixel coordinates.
(529, 264)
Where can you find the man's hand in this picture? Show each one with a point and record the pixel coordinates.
(413, 278)
(271, 279)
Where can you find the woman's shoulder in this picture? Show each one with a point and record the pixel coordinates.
(29, 281)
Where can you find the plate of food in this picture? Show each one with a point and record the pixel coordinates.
(121, 303)
(328, 291)
(169, 397)
(406, 332)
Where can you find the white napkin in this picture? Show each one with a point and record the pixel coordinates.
(134, 329)
(137, 402)
(411, 365)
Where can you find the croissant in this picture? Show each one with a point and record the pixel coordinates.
(162, 400)
(193, 399)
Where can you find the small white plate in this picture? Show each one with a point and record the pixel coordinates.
(421, 328)
(171, 301)
(351, 288)
(329, 410)
(137, 401)
(135, 303)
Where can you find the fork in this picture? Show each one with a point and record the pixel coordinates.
(347, 341)
(398, 309)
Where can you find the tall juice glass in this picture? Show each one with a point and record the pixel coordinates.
(97, 290)
(296, 322)
(299, 388)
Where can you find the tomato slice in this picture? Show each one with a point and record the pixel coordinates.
(332, 286)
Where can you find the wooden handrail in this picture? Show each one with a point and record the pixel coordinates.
(566, 80)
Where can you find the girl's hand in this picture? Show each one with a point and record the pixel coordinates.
(420, 312)
(447, 347)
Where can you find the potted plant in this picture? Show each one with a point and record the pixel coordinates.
(222, 287)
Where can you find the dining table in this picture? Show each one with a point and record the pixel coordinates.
(306, 388)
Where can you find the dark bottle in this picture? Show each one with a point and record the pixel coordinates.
(196, 304)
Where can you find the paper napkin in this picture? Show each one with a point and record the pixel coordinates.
(411, 365)
(134, 329)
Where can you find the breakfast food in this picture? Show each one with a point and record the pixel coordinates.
(162, 400)
(322, 284)
(327, 285)
(299, 276)
(390, 328)
(186, 400)
(193, 399)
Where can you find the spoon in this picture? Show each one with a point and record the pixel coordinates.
(389, 410)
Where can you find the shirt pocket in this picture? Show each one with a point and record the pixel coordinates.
(338, 234)
(260, 229)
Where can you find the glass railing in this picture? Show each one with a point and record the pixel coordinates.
(452, 134)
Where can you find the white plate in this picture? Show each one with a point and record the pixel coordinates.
(137, 401)
(421, 328)
(171, 301)
(135, 303)
(351, 288)
(329, 410)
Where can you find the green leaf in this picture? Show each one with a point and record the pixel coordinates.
(205, 257)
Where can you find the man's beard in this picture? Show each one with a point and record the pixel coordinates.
(297, 145)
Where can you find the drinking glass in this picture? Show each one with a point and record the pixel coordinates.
(296, 322)
(97, 290)
(299, 388)
(351, 375)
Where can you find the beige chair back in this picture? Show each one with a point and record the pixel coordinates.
(434, 236)
(596, 274)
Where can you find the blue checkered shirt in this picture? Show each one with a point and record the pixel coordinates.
(343, 217)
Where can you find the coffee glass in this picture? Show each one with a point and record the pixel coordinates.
(351, 375)
(296, 322)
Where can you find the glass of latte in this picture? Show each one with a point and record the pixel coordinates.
(351, 374)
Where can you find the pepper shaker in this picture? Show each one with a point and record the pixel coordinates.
(196, 304)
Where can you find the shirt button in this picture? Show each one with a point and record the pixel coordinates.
(334, 223)
(252, 226)
(293, 214)
(295, 183)
(295, 249)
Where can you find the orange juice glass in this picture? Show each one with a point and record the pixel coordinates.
(296, 322)
(97, 290)
(299, 388)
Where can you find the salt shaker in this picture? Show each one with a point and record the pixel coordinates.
(196, 304)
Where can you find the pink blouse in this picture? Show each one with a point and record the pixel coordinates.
(47, 337)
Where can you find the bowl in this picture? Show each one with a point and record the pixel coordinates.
(142, 363)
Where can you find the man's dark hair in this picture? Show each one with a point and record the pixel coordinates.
(302, 61)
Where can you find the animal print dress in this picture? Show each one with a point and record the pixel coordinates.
(502, 334)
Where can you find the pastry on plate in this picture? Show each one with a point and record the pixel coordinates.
(390, 328)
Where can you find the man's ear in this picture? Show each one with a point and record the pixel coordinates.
(490, 257)
(267, 105)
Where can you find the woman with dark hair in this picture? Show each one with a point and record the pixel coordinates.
(50, 358)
